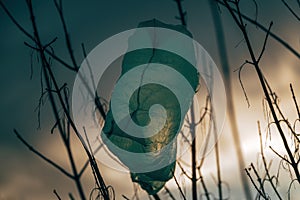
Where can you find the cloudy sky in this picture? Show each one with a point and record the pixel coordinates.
(26, 177)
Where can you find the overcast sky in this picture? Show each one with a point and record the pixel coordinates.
(24, 176)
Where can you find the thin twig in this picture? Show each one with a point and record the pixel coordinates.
(125, 197)
(241, 82)
(283, 158)
(273, 35)
(71, 196)
(275, 100)
(290, 9)
(295, 100)
(206, 193)
(265, 163)
(194, 153)
(169, 193)
(290, 187)
(156, 197)
(97, 98)
(96, 172)
(259, 180)
(56, 194)
(31, 148)
(179, 188)
(265, 42)
(182, 14)
(65, 30)
(253, 183)
(183, 171)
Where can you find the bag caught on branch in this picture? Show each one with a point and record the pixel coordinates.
(152, 102)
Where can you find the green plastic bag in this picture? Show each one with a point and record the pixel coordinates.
(141, 101)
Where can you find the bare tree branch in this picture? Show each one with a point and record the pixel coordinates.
(56, 194)
(31, 148)
(263, 28)
(290, 9)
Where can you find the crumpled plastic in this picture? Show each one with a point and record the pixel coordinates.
(140, 103)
